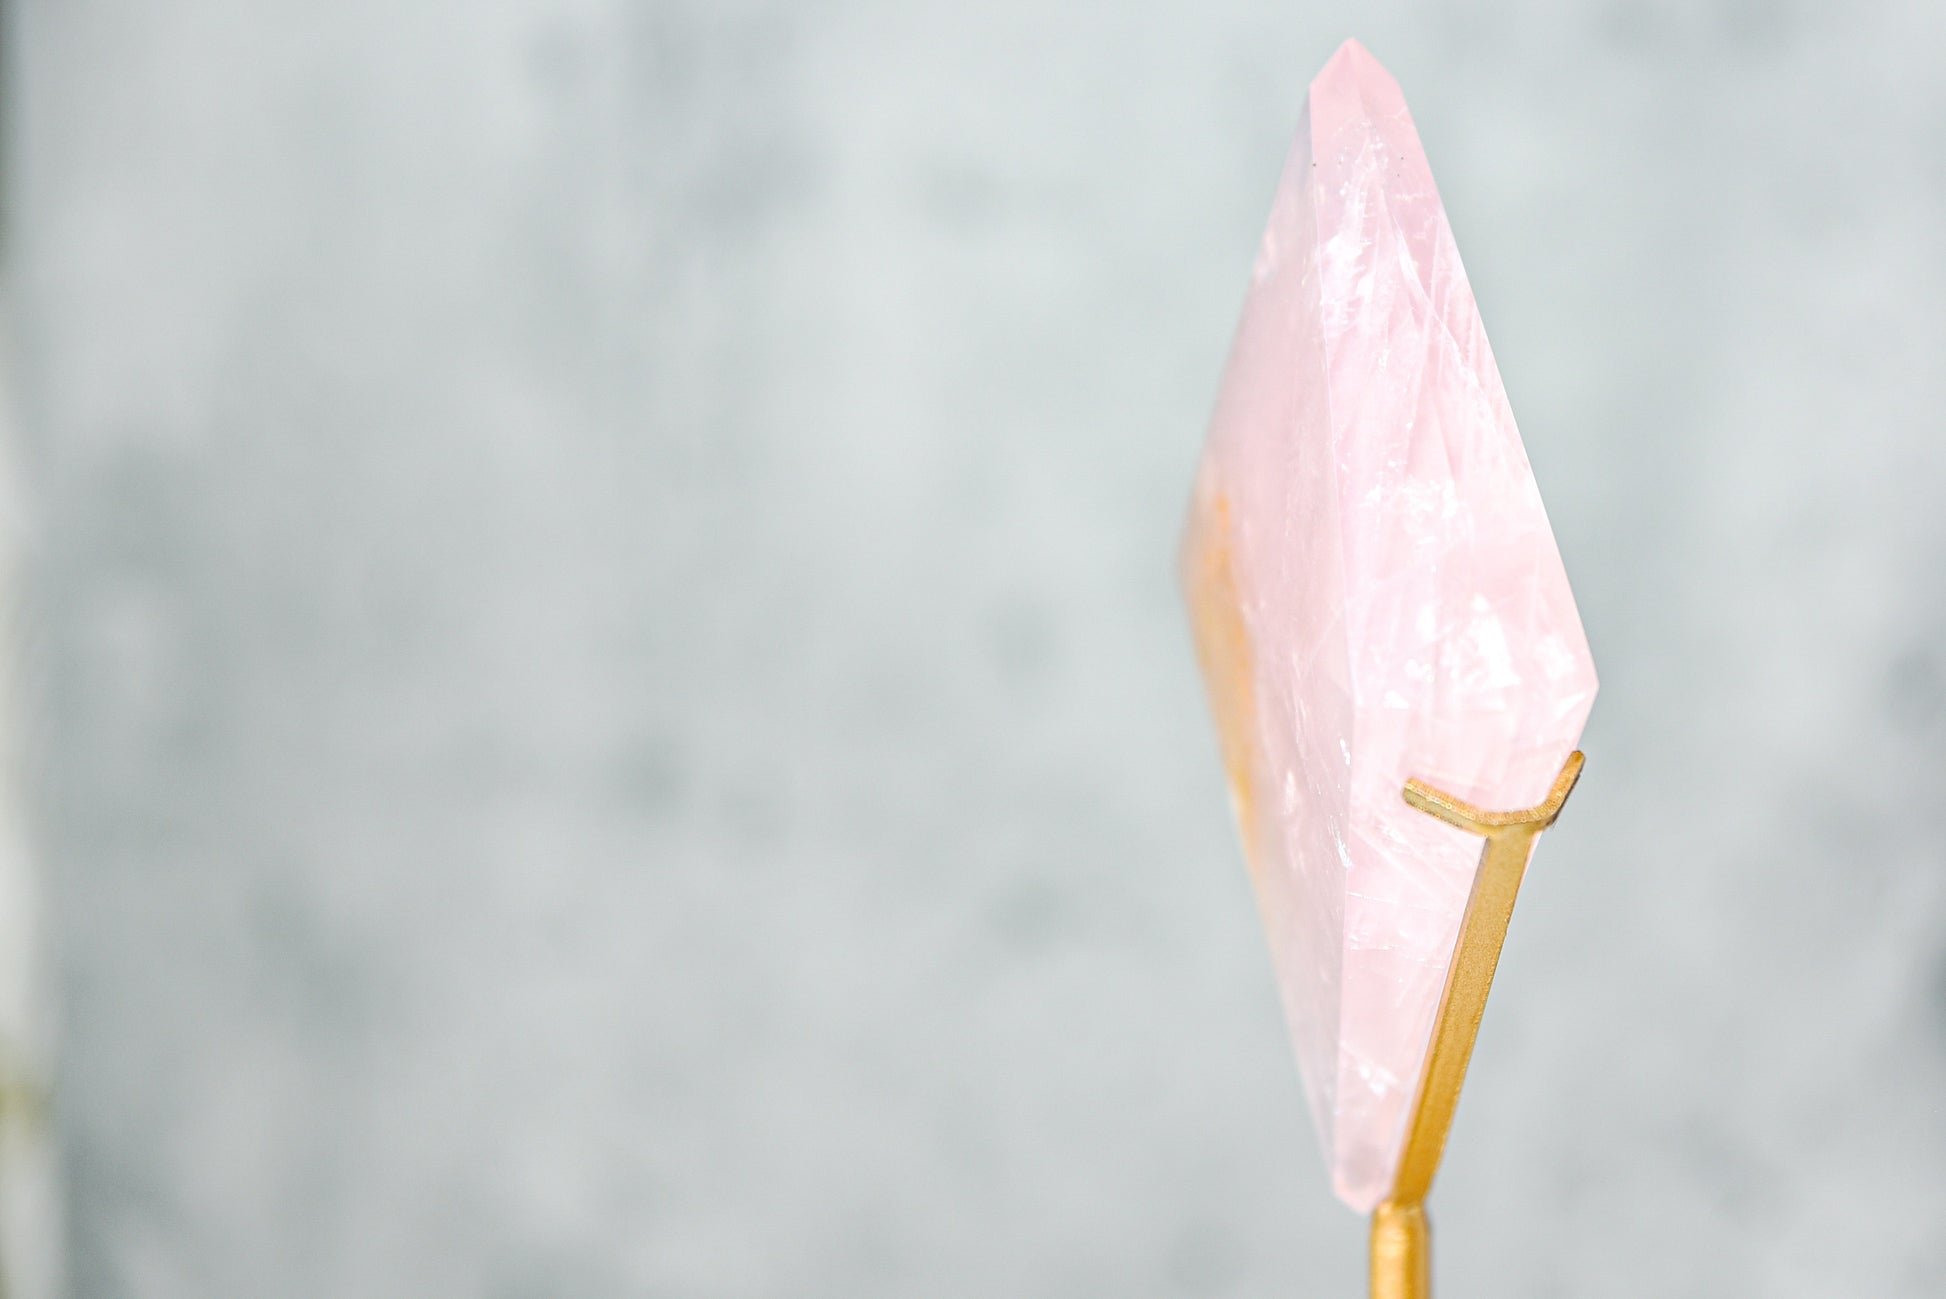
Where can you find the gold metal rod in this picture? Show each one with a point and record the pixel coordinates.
(1401, 1236)
(1401, 1251)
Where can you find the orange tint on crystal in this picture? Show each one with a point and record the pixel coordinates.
(1223, 652)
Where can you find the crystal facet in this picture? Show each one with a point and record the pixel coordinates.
(1376, 595)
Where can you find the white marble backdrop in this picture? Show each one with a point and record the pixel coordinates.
(31, 1234)
(608, 712)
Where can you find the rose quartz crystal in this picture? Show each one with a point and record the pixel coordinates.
(1376, 595)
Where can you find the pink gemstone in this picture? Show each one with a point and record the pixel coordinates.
(1376, 595)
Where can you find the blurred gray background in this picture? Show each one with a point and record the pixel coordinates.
(609, 714)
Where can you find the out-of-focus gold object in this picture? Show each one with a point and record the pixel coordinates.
(1401, 1236)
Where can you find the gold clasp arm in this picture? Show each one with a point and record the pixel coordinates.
(1472, 819)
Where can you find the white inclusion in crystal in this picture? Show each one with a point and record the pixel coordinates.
(1497, 668)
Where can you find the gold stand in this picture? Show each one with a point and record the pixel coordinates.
(1401, 1237)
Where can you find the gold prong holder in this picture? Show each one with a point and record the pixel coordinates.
(1401, 1237)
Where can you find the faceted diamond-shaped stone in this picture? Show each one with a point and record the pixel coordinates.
(1376, 595)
